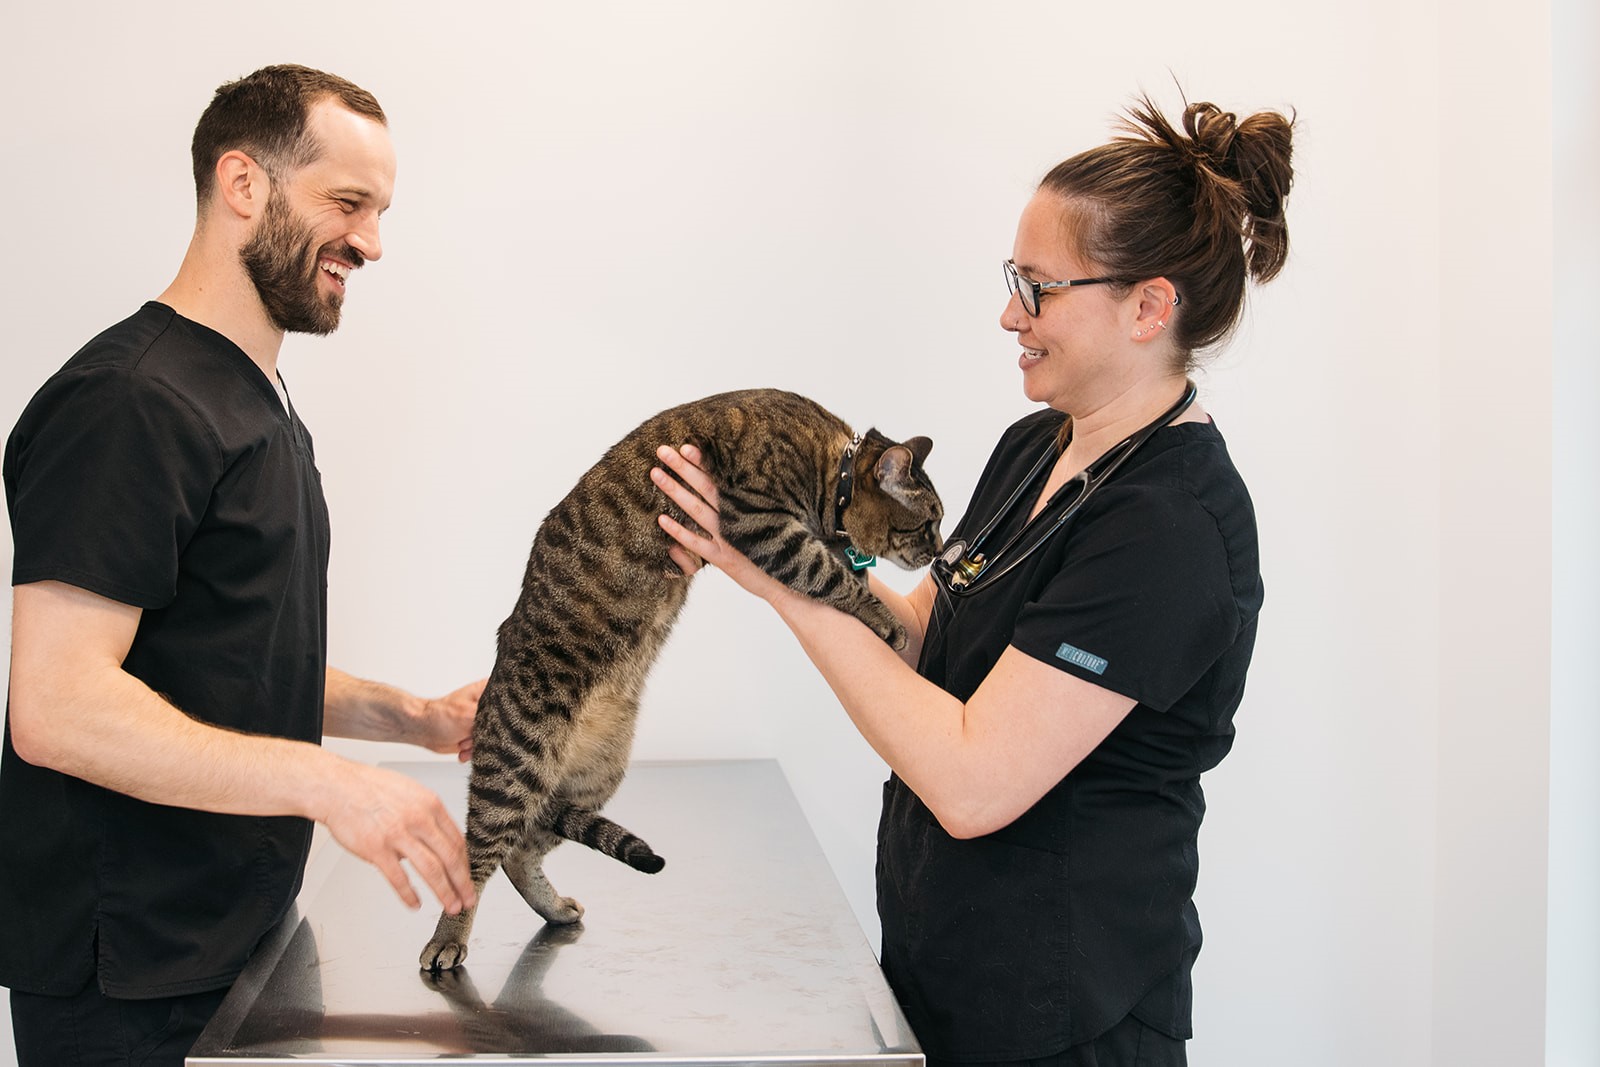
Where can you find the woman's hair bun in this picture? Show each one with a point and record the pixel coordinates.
(1243, 171)
(1212, 132)
(1255, 155)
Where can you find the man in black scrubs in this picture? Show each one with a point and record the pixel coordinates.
(161, 768)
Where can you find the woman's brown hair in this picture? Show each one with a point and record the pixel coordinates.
(1202, 207)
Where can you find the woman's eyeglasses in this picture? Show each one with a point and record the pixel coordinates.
(1030, 291)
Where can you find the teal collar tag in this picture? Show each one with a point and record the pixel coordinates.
(859, 561)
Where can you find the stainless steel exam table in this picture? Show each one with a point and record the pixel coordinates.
(742, 951)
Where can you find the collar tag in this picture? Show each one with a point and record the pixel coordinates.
(859, 561)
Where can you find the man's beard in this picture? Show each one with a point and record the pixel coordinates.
(283, 266)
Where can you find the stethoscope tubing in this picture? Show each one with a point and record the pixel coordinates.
(1092, 478)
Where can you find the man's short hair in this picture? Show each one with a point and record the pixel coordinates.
(264, 115)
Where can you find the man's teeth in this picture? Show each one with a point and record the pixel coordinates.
(1033, 353)
(338, 270)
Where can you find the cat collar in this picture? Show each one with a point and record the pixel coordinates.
(843, 491)
(846, 485)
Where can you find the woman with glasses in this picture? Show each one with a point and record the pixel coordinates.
(1076, 656)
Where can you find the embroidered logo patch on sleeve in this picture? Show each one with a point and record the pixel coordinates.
(1079, 658)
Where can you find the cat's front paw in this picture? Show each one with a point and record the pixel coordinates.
(896, 637)
(888, 627)
(881, 621)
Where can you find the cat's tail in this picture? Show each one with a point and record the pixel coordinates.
(594, 830)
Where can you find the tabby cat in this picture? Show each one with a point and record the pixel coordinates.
(800, 496)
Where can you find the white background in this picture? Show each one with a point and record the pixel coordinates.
(603, 210)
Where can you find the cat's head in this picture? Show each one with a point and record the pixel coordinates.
(895, 511)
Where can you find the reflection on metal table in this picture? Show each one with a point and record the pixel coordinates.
(743, 950)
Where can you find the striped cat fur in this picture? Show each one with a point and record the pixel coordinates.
(600, 594)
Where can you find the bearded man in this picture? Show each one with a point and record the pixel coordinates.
(161, 768)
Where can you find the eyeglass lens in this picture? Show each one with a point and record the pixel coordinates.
(1027, 291)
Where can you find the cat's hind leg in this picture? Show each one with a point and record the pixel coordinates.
(447, 949)
(494, 823)
(525, 867)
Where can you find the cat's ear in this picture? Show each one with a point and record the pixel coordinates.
(894, 467)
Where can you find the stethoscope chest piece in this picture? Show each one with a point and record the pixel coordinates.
(965, 570)
(958, 568)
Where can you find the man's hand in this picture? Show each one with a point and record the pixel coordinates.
(373, 711)
(447, 721)
(385, 817)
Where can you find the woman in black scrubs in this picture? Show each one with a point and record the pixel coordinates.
(1080, 649)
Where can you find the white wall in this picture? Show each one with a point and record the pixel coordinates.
(605, 209)
(1493, 351)
(1574, 922)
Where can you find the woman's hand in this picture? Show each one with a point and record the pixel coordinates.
(695, 492)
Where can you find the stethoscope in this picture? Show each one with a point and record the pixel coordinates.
(963, 568)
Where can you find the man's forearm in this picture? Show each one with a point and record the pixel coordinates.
(369, 711)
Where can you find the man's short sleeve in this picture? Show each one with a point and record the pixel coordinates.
(108, 474)
(1143, 604)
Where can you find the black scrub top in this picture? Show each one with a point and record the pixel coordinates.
(160, 468)
(1046, 933)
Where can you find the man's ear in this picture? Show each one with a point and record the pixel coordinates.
(242, 184)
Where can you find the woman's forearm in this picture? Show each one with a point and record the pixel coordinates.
(916, 727)
(912, 611)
